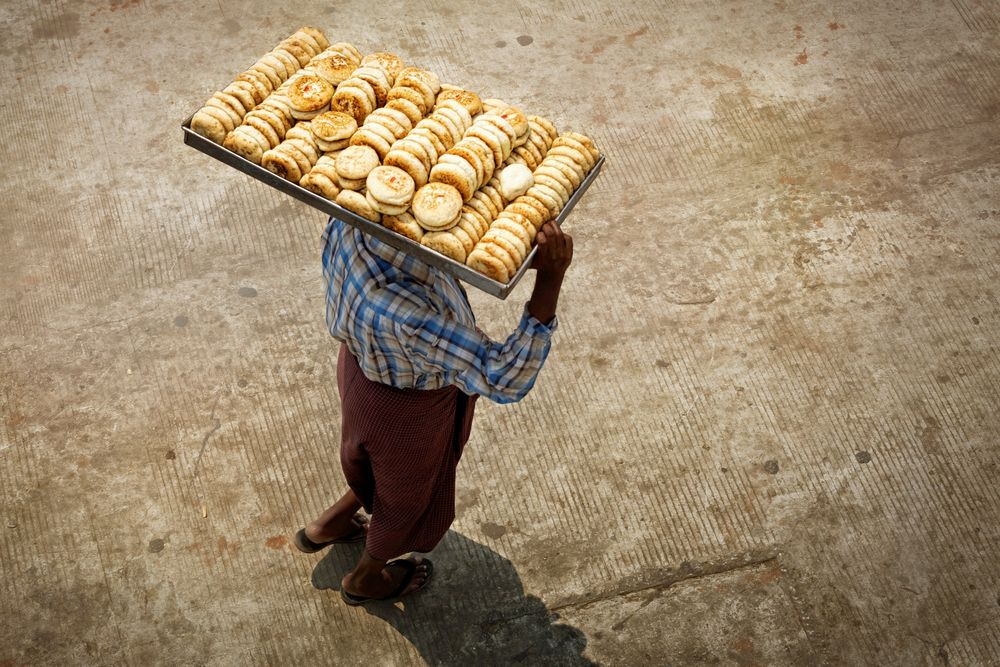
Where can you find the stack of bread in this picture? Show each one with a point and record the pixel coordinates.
(392, 122)
(389, 190)
(474, 179)
(303, 96)
(431, 137)
(367, 88)
(540, 139)
(353, 165)
(294, 157)
(226, 109)
(486, 144)
(504, 247)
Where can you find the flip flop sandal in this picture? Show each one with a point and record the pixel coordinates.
(411, 566)
(305, 545)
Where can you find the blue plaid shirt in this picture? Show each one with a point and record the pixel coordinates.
(410, 325)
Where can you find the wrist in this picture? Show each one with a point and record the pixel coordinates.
(550, 277)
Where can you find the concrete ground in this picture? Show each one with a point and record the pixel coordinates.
(768, 430)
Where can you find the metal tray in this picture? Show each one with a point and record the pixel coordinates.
(398, 241)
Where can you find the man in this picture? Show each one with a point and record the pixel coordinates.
(412, 364)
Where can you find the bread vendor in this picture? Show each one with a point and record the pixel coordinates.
(412, 364)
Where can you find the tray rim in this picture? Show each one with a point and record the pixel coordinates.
(377, 230)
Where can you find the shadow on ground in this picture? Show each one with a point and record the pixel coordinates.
(474, 611)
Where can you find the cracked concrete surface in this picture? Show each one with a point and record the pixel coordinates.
(768, 431)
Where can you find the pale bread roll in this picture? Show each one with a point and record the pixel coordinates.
(281, 163)
(468, 99)
(332, 67)
(390, 62)
(383, 208)
(208, 126)
(437, 206)
(445, 243)
(391, 186)
(357, 203)
(488, 265)
(515, 181)
(321, 184)
(409, 163)
(404, 224)
(356, 162)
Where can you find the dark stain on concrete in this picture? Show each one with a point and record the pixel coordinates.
(975, 320)
(500, 44)
(632, 36)
(930, 434)
(524, 40)
(171, 455)
(276, 542)
(662, 363)
(798, 32)
(493, 530)
(155, 545)
(863, 456)
(771, 467)
(833, 25)
(181, 321)
(247, 292)
(241, 383)
(63, 26)
(802, 58)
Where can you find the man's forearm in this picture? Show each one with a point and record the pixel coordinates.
(545, 296)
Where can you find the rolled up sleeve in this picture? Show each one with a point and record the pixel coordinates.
(502, 372)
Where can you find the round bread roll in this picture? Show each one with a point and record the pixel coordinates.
(321, 184)
(356, 162)
(351, 184)
(488, 265)
(332, 146)
(404, 224)
(460, 177)
(409, 163)
(333, 68)
(390, 185)
(405, 107)
(437, 206)
(515, 181)
(357, 203)
(383, 208)
(283, 164)
(308, 92)
(466, 98)
(509, 261)
(390, 62)
(208, 126)
(445, 243)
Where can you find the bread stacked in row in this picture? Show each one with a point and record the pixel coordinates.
(226, 109)
(405, 106)
(303, 96)
(431, 137)
(532, 152)
(294, 157)
(487, 143)
(507, 243)
(368, 86)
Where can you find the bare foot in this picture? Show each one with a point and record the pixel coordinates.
(386, 581)
(337, 529)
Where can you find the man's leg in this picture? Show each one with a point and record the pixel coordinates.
(371, 578)
(337, 521)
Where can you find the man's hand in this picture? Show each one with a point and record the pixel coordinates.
(555, 252)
